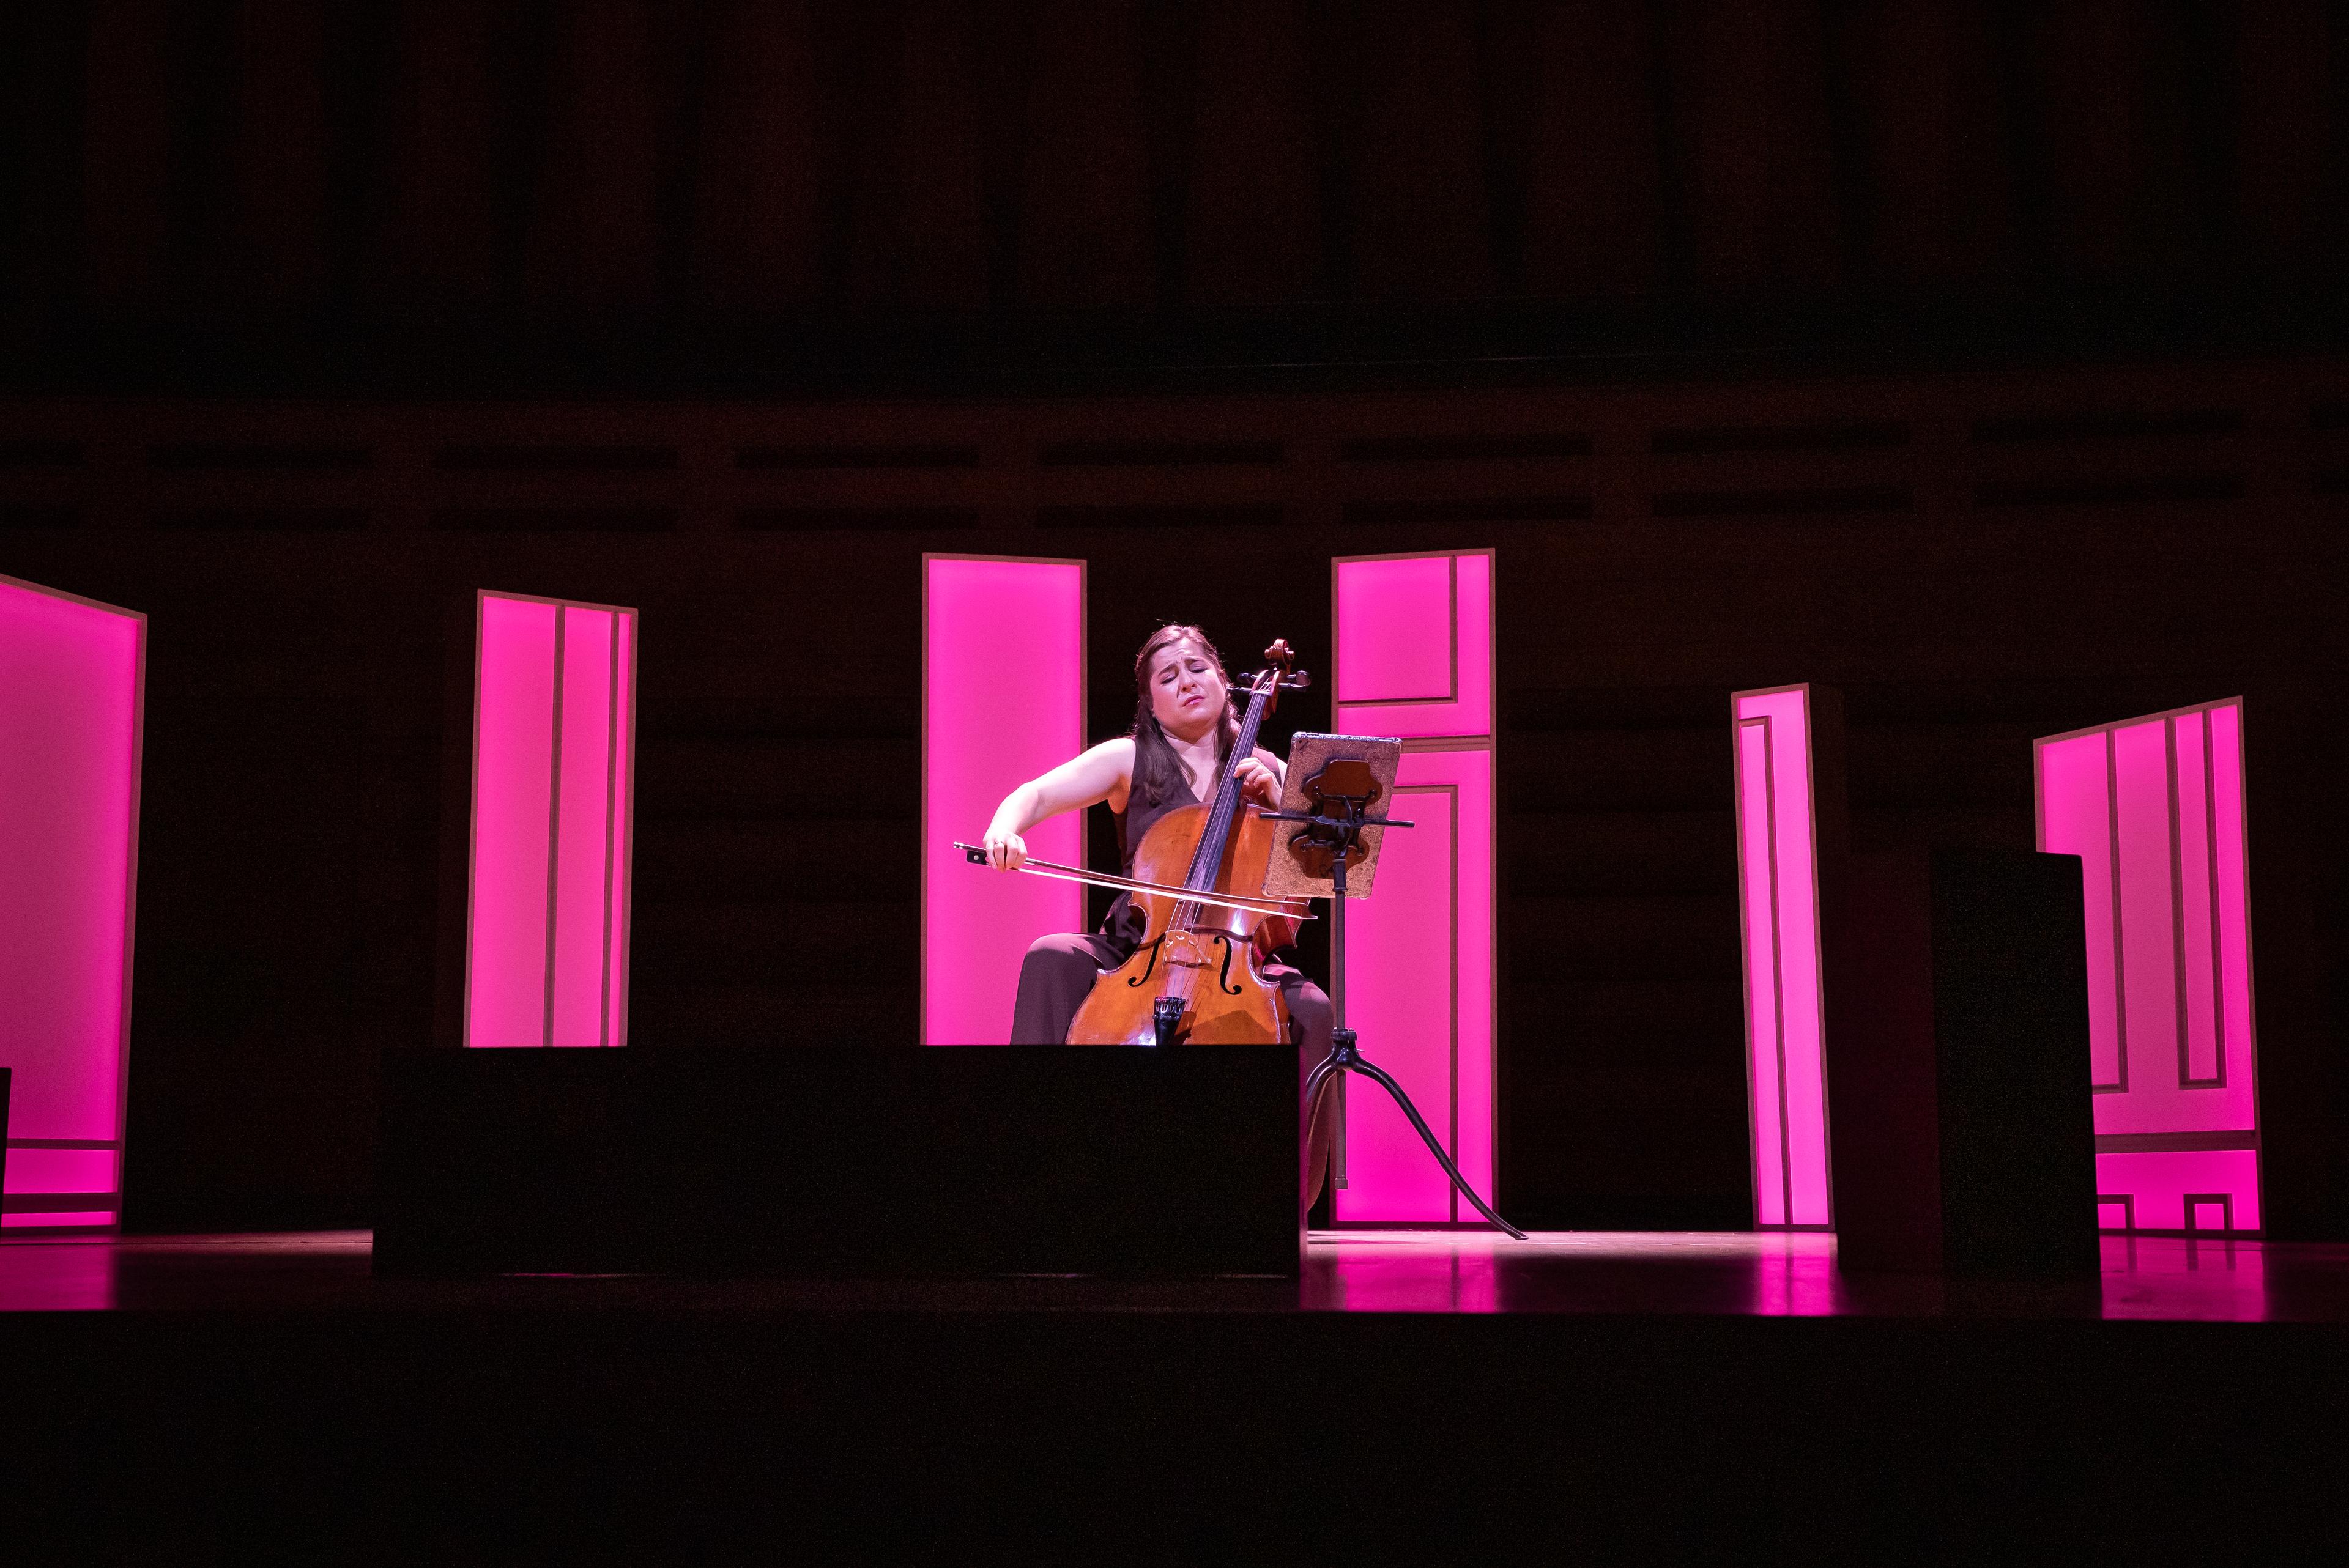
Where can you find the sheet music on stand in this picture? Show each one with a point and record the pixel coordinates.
(1302, 863)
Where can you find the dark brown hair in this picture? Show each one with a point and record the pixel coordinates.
(1157, 771)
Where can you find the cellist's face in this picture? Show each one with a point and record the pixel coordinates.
(1186, 691)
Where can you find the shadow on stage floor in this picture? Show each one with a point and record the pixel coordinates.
(1680, 1395)
(1427, 1271)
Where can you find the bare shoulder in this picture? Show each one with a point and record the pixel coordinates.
(1115, 758)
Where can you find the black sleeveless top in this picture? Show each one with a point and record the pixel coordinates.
(1124, 924)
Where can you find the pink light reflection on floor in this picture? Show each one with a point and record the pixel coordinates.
(1795, 1276)
(1003, 699)
(1778, 919)
(553, 757)
(1408, 1271)
(2171, 1279)
(71, 682)
(1656, 1274)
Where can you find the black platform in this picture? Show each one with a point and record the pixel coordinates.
(997, 1159)
(1958, 1018)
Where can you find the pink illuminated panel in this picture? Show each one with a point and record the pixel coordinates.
(553, 760)
(2153, 809)
(1414, 658)
(1003, 699)
(1778, 872)
(71, 685)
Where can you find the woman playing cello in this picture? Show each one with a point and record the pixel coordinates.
(1176, 755)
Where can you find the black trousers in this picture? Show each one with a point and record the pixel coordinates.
(1059, 973)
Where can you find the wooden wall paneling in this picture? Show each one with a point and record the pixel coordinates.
(42, 73)
(1748, 89)
(1084, 226)
(757, 196)
(592, 252)
(2116, 89)
(275, 259)
(1591, 174)
(2285, 128)
(1936, 204)
(1417, 200)
(590, 157)
(127, 153)
(438, 241)
(918, 233)
(1252, 225)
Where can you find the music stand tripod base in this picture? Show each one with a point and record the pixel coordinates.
(1334, 781)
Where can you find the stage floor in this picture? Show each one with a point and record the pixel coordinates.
(1436, 1395)
(1728, 1273)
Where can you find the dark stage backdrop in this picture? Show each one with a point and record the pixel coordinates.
(318, 315)
(1975, 559)
(819, 193)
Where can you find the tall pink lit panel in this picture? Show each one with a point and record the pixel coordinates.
(2153, 809)
(1414, 659)
(1778, 917)
(71, 685)
(554, 763)
(1003, 699)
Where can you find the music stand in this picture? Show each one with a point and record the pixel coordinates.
(1334, 782)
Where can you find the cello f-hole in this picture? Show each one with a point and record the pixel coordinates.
(1224, 981)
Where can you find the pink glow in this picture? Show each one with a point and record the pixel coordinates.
(57, 1276)
(1408, 1274)
(71, 686)
(553, 752)
(2190, 1279)
(1003, 699)
(2155, 1182)
(62, 1170)
(1421, 629)
(1795, 1278)
(2076, 814)
(1418, 953)
(2170, 1023)
(1778, 914)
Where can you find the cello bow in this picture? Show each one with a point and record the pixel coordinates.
(976, 856)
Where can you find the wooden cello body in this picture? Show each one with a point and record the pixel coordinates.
(1197, 976)
(1211, 960)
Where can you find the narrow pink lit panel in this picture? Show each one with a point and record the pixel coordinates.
(71, 691)
(1003, 699)
(1414, 659)
(553, 755)
(2153, 808)
(1778, 867)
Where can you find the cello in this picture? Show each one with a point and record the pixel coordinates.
(1196, 978)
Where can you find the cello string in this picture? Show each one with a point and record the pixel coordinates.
(1208, 859)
